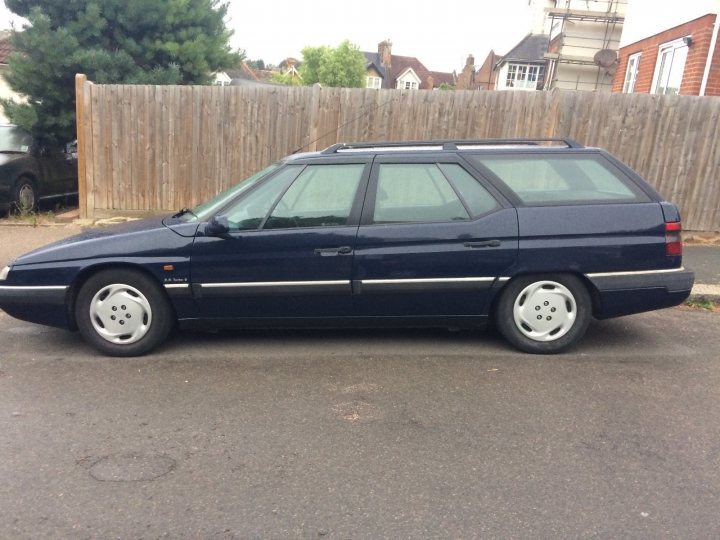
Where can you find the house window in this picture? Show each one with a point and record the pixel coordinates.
(631, 73)
(373, 82)
(407, 85)
(670, 68)
(524, 76)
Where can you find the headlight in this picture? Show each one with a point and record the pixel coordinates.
(4, 273)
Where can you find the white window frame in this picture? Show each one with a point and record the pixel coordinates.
(670, 46)
(631, 73)
(523, 76)
(373, 82)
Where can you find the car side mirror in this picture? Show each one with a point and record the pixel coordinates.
(217, 226)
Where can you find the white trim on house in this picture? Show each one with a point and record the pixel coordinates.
(222, 79)
(408, 80)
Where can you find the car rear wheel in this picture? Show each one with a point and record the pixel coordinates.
(24, 196)
(123, 312)
(544, 314)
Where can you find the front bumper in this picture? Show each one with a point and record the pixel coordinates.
(41, 304)
(624, 293)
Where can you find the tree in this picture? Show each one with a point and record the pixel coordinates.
(257, 64)
(112, 41)
(342, 66)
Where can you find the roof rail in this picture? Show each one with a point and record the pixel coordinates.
(450, 144)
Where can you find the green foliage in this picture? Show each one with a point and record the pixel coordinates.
(287, 79)
(342, 66)
(446, 86)
(111, 41)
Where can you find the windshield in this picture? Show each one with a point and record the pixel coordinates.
(207, 209)
(12, 139)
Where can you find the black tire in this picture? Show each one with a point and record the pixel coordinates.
(24, 195)
(122, 294)
(544, 314)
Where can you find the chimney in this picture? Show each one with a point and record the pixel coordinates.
(385, 53)
(470, 60)
(430, 82)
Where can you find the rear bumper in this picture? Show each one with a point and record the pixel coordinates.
(624, 293)
(42, 305)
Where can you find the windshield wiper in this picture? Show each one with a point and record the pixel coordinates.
(182, 212)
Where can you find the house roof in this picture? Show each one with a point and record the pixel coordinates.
(373, 59)
(400, 64)
(5, 47)
(531, 48)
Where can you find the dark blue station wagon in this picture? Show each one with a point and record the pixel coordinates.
(539, 235)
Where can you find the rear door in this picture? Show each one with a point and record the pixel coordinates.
(432, 241)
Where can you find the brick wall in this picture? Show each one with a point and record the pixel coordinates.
(701, 32)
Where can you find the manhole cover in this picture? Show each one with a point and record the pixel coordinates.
(131, 467)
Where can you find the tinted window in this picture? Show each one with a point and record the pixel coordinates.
(544, 179)
(476, 198)
(415, 193)
(322, 196)
(250, 211)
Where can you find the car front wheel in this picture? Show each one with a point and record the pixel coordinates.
(24, 196)
(544, 314)
(123, 312)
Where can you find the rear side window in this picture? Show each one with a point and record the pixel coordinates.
(411, 193)
(566, 179)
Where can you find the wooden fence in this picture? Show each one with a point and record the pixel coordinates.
(152, 148)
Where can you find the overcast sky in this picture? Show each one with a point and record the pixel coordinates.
(440, 34)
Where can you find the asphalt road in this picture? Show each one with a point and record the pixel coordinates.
(360, 434)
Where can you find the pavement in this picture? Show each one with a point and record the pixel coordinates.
(703, 258)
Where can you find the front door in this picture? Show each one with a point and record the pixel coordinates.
(432, 241)
(289, 250)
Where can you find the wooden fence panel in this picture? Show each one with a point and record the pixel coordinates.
(158, 148)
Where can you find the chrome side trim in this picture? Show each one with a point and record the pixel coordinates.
(176, 285)
(33, 287)
(251, 284)
(636, 273)
(426, 280)
(503, 279)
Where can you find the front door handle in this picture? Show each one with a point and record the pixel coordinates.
(482, 244)
(332, 252)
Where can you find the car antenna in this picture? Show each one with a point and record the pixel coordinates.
(377, 107)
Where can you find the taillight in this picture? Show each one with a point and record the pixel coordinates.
(673, 239)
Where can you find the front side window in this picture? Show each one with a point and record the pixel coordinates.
(208, 208)
(411, 193)
(250, 211)
(322, 196)
(631, 73)
(670, 68)
(543, 179)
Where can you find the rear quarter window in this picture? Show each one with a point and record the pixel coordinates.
(562, 179)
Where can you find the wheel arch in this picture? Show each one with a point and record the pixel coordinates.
(90, 271)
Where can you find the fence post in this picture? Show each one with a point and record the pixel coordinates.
(80, 80)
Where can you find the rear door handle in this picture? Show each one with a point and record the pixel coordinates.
(332, 252)
(482, 244)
